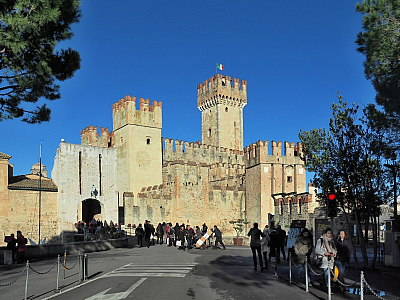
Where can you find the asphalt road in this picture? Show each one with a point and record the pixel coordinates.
(158, 272)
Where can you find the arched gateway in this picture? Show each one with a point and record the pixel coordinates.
(91, 208)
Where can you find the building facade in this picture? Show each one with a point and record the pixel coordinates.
(132, 174)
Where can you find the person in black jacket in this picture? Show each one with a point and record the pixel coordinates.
(139, 234)
(344, 250)
(218, 237)
(273, 245)
(255, 245)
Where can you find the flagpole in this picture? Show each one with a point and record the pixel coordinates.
(40, 186)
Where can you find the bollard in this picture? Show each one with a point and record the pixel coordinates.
(58, 273)
(81, 267)
(329, 280)
(290, 267)
(362, 285)
(306, 272)
(65, 260)
(26, 282)
(276, 262)
(85, 266)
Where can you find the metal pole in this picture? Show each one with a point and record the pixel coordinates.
(26, 281)
(58, 272)
(40, 187)
(306, 271)
(362, 285)
(329, 280)
(80, 267)
(276, 262)
(85, 266)
(395, 189)
(290, 267)
(65, 260)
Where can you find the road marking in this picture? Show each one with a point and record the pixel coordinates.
(115, 296)
(161, 270)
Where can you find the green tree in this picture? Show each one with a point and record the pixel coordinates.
(30, 61)
(379, 41)
(348, 159)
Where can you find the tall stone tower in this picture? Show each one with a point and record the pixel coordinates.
(138, 142)
(221, 100)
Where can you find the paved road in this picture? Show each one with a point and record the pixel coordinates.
(159, 272)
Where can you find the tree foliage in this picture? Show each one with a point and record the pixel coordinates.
(348, 159)
(30, 62)
(379, 41)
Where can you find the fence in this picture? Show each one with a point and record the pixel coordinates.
(81, 262)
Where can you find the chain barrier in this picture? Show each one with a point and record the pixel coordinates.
(65, 265)
(42, 273)
(341, 283)
(315, 273)
(15, 280)
(371, 290)
(297, 266)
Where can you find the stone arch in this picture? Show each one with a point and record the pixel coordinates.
(90, 208)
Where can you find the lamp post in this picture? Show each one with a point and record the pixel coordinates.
(391, 163)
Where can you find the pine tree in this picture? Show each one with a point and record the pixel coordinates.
(30, 62)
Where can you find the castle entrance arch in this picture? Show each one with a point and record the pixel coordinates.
(90, 208)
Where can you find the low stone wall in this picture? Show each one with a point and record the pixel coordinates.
(47, 250)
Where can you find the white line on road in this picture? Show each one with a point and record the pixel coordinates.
(115, 296)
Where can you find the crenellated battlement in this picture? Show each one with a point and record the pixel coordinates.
(90, 136)
(259, 153)
(175, 150)
(124, 113)
(221, 89)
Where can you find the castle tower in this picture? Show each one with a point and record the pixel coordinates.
(221, 100)
(137, 136)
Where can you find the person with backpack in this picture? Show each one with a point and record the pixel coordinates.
(325, 248)
(189, 233)
(302, 249)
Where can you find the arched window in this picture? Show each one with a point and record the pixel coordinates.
(209, 132)
(226, 109)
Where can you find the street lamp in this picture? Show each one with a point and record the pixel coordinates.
(391, 163)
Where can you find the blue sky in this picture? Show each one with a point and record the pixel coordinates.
(295, 56)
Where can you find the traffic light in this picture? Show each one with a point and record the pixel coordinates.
(332, 205)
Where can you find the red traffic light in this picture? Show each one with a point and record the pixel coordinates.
(331, 197)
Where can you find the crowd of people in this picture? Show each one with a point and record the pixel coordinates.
(17, 246)
(329, 251)
(98, 228)
(181, 236)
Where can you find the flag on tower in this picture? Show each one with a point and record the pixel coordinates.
(220, 66)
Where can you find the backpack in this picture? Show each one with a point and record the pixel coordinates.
(171, 231)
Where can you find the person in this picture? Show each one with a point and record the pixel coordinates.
(189, 233)
(21, 246)
(218, 237)
(204, 230)
(302, 249)
(255, 245)
(12, 245)
(344, 250)
(164, 233)
(181, 237)
(139, 234)
(171, 235)
(273, 245)
(281, 241)
(177, 228)
(325, 248)
(159, 233)
(198, 234)
(264, 246)
(153, 232)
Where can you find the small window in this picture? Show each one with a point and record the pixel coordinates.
(289, 179)
(209, 131)
(148, 141)
(226, 109)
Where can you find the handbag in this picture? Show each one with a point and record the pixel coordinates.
(318, 260)
(178, 243)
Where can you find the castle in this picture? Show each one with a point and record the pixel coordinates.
(132, 174)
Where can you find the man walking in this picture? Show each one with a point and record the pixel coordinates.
(218, 237)
(255, 245)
